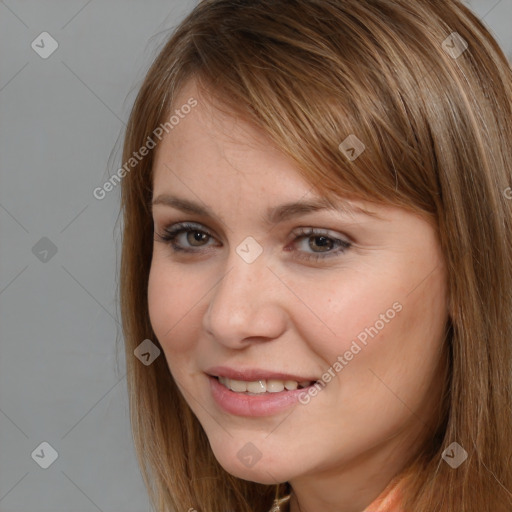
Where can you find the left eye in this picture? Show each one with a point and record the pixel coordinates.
(324, 243)
(310, 238)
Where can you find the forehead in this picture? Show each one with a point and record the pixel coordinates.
(210, 145)
(215, 154)
(211, 129)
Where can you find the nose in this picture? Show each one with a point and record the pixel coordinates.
(246, 306)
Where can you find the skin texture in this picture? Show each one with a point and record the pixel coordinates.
(286, 313)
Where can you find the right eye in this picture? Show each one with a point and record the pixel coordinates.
(184, 237)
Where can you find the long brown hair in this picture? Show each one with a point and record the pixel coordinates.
(427, 90)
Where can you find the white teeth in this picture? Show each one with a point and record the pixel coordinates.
(239, 386)
(274, 386)
(258, 386)
(262, 386)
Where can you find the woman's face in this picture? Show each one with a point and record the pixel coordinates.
(354, 301)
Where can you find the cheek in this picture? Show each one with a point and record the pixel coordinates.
(350, 308)
(171, 300)
(380, 330)
(397, 371)
(160, 301)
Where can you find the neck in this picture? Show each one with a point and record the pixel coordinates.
(354, 487)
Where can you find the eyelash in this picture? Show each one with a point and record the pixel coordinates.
(170, 235)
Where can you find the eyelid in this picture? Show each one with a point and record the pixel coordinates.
(342, 245)
(295, 233)
(307, 227)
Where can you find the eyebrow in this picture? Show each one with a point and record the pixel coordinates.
(274, 214)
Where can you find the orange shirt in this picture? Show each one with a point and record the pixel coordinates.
(388, 501)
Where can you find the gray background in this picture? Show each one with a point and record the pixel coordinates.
(62, 380)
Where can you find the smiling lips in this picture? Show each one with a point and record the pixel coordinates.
(252, 404)
(263, 385)
(255, 392)
(256, 380)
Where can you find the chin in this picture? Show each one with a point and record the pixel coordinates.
(261, 475)
(262, 471)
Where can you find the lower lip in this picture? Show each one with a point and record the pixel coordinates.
(264, 404)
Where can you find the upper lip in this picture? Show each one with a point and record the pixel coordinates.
(254, 374)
